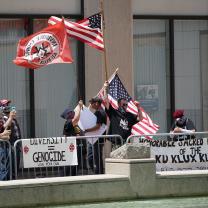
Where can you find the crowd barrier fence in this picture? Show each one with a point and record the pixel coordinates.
(166, 136)
(90, 160)
(91, 153)
(176, 152)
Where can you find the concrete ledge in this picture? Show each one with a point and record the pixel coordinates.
(62, 180)
(124, 179)
(149, 184)
(182, 174)
(130, 161)
(64, 190)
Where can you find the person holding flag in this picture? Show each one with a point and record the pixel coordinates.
(112, 91)
(121, 121)
(71, 128)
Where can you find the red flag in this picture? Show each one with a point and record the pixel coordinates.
(87, 30)
(48, 46)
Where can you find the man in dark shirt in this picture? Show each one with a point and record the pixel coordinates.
(11, 123)
(182, 124)
(71, 128)
(95, 151)
(121, 121)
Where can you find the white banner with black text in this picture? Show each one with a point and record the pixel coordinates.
(48, 152)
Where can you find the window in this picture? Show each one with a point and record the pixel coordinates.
(14, 83)
(55, 89)
(151, 68)
(191, 51)
(55, 86)
(189, 76)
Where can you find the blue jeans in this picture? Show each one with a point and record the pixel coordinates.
(95, 157)
(4, 164)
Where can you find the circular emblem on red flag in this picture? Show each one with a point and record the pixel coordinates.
(42, 49)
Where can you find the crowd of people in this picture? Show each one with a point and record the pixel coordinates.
(119, 122)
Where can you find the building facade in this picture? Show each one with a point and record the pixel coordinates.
(159, 46)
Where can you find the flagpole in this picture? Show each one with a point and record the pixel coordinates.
(103, 29)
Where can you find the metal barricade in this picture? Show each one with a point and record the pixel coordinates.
(91, 153)
(175, 152)
(156, 138)
(5, 160)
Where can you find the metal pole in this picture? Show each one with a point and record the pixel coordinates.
(103, 29)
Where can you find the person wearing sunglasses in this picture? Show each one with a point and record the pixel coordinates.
(121, 121)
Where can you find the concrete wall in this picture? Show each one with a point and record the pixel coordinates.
(170, 7)
(118, 42)
(147, 184)
(40, 7)
(124, 179)
(68, 190)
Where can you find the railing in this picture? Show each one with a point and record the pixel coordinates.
(165, 136)
(174, 152)
(90, 153)
(5, 160)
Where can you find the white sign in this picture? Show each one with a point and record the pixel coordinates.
(190, 154)
(47, 152)
(88, 120)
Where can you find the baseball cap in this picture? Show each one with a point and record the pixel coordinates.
(66, 112)
(178, 114)
(4, 102)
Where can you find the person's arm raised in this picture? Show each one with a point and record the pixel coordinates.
(76, 118)
(8, 123)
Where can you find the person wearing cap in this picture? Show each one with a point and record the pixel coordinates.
(11, 123)
(182, 124)
(9, 116)
(71, 128)
(121, 121)
(72, 118)
(95, 155)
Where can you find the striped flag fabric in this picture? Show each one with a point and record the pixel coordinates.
(87, 30)
(116, 91)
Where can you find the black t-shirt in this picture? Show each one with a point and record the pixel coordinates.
(120, 123)
(184, 123)
(70, 130)
(101, 117)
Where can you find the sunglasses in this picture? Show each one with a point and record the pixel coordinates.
(125, 105)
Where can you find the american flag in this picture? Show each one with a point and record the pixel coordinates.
(117, 90)
(87, 30)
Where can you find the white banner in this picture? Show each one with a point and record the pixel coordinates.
(191, 154)
(88, 120)
(47, 152)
